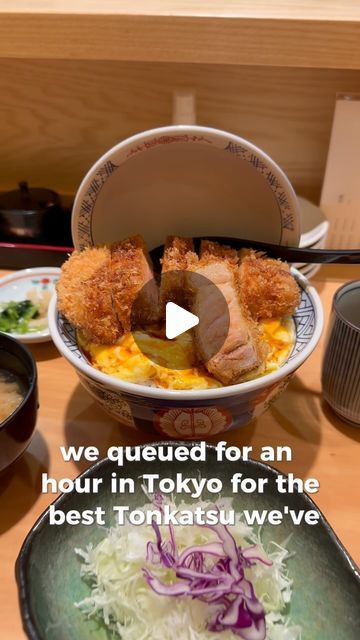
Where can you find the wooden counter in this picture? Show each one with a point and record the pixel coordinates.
(323, 446)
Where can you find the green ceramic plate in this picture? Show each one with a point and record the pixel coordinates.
(326, 582)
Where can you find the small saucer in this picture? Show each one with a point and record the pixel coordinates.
(15, 287)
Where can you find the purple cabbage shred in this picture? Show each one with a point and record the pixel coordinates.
(213, 573)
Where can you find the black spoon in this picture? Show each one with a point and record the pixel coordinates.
(290, 254)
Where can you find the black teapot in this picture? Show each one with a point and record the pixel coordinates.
(32, 214)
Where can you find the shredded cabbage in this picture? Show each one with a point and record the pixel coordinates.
(121, 596)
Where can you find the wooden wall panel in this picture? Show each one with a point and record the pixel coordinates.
(57, 117)
(305, 33)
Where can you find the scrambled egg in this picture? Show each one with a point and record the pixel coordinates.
(280, 338)
(127, 359)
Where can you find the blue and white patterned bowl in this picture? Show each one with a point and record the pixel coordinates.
(189, 181)
(192, 414)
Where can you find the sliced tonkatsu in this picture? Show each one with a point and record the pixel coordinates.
(178, 258)
(98, 287)
(268, 289)
(209, 250)
(84, 293)
(131, 270)
(99, 293)
(243, 350)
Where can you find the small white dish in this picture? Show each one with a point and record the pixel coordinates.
(15, 287)
(316, 236)
(310, 270)
(321, 244)
(301, 265)
(314, 226)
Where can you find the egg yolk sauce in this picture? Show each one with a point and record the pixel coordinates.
(154, 361)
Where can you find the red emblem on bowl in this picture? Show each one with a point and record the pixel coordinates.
(192, 424)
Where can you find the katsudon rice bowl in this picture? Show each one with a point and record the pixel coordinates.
(189, 402)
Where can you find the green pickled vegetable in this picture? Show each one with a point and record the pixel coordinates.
(16, 316)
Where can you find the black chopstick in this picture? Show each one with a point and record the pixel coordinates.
(292, 254)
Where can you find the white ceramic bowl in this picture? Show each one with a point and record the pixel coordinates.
(187, 181)
(191, 414)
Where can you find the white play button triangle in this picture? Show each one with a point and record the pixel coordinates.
(178, 320)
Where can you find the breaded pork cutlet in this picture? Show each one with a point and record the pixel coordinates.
(84, 294)
(130, 271)
(178, 257)
(243, 350)
(267, 287)
(209, 250)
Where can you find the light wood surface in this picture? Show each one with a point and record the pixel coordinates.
(301, 10)
(59, 116)
(323, 447)
(302, 34)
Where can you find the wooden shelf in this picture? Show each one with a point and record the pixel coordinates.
(317, 34)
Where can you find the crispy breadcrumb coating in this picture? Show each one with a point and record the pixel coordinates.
(99, 285)
(213, 251)
(267, 287)
(178, 254)
(131, 271)
(179, 257)
(84, 293)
